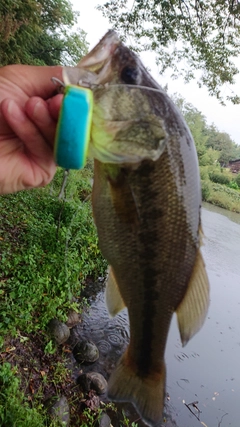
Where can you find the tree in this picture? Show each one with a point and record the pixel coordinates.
(225, 145)
(236, 151)
(222, 142)
(39, 32)
(196, 122)
(186, 36)
(211, 144)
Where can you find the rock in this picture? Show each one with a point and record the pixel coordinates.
(59, 331)
(73, 319)
(93, 381)
(85, 351)
(104, 421)
(60, 411)
(98, 382)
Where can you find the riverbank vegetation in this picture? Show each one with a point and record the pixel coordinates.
(49, 251)
(215, 149)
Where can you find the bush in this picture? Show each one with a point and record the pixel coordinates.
(219, 178)
(221, 200)
(206, 159)
(233, 185)
(225, 197)
(205, 190)
(204, 173)
(237, 180)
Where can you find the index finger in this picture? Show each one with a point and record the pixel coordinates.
(34, 80)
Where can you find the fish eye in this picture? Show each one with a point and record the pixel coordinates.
(129, 75)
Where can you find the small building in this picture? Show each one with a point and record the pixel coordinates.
(234, 165)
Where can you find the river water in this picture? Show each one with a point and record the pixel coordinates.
(203, 378)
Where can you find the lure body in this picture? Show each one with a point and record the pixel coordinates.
(73, 129)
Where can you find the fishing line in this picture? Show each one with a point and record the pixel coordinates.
(133, 86)
(93, 86)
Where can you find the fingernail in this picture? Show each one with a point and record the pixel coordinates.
(16, 111)
(40, 113)
(37, 110)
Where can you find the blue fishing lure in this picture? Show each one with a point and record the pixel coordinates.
(73, 128)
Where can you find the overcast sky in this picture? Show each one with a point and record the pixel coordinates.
(226, 119)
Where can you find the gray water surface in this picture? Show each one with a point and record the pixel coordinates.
(207, 370)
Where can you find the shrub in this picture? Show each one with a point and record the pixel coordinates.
(224, 197)
(233, 185)
(205, 190)
(206, 159)
(221, 200)
(219, 178)
(204, 173)
(237, 180)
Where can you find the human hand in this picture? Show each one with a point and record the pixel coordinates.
(28, 119)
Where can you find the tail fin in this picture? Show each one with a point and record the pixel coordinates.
(146, 394)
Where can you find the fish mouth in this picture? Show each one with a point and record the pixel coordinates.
(117, 109)
(95, 67)
(97, 57)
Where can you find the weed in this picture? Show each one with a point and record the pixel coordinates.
(48, 247)
(90, 417)
(50, 348)
(233, 184)
(126, 422)
(14, 408)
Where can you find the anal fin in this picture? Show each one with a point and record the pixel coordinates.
(192, 310)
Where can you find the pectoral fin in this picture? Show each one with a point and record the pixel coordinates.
(113, 298)
(192, 310)
(122, 196)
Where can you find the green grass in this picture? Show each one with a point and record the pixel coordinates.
(19, 410)
(48, 246)
(14, 408)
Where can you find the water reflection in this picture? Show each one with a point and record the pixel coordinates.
(203, 379)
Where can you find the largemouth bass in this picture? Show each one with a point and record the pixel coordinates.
(146, 205)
